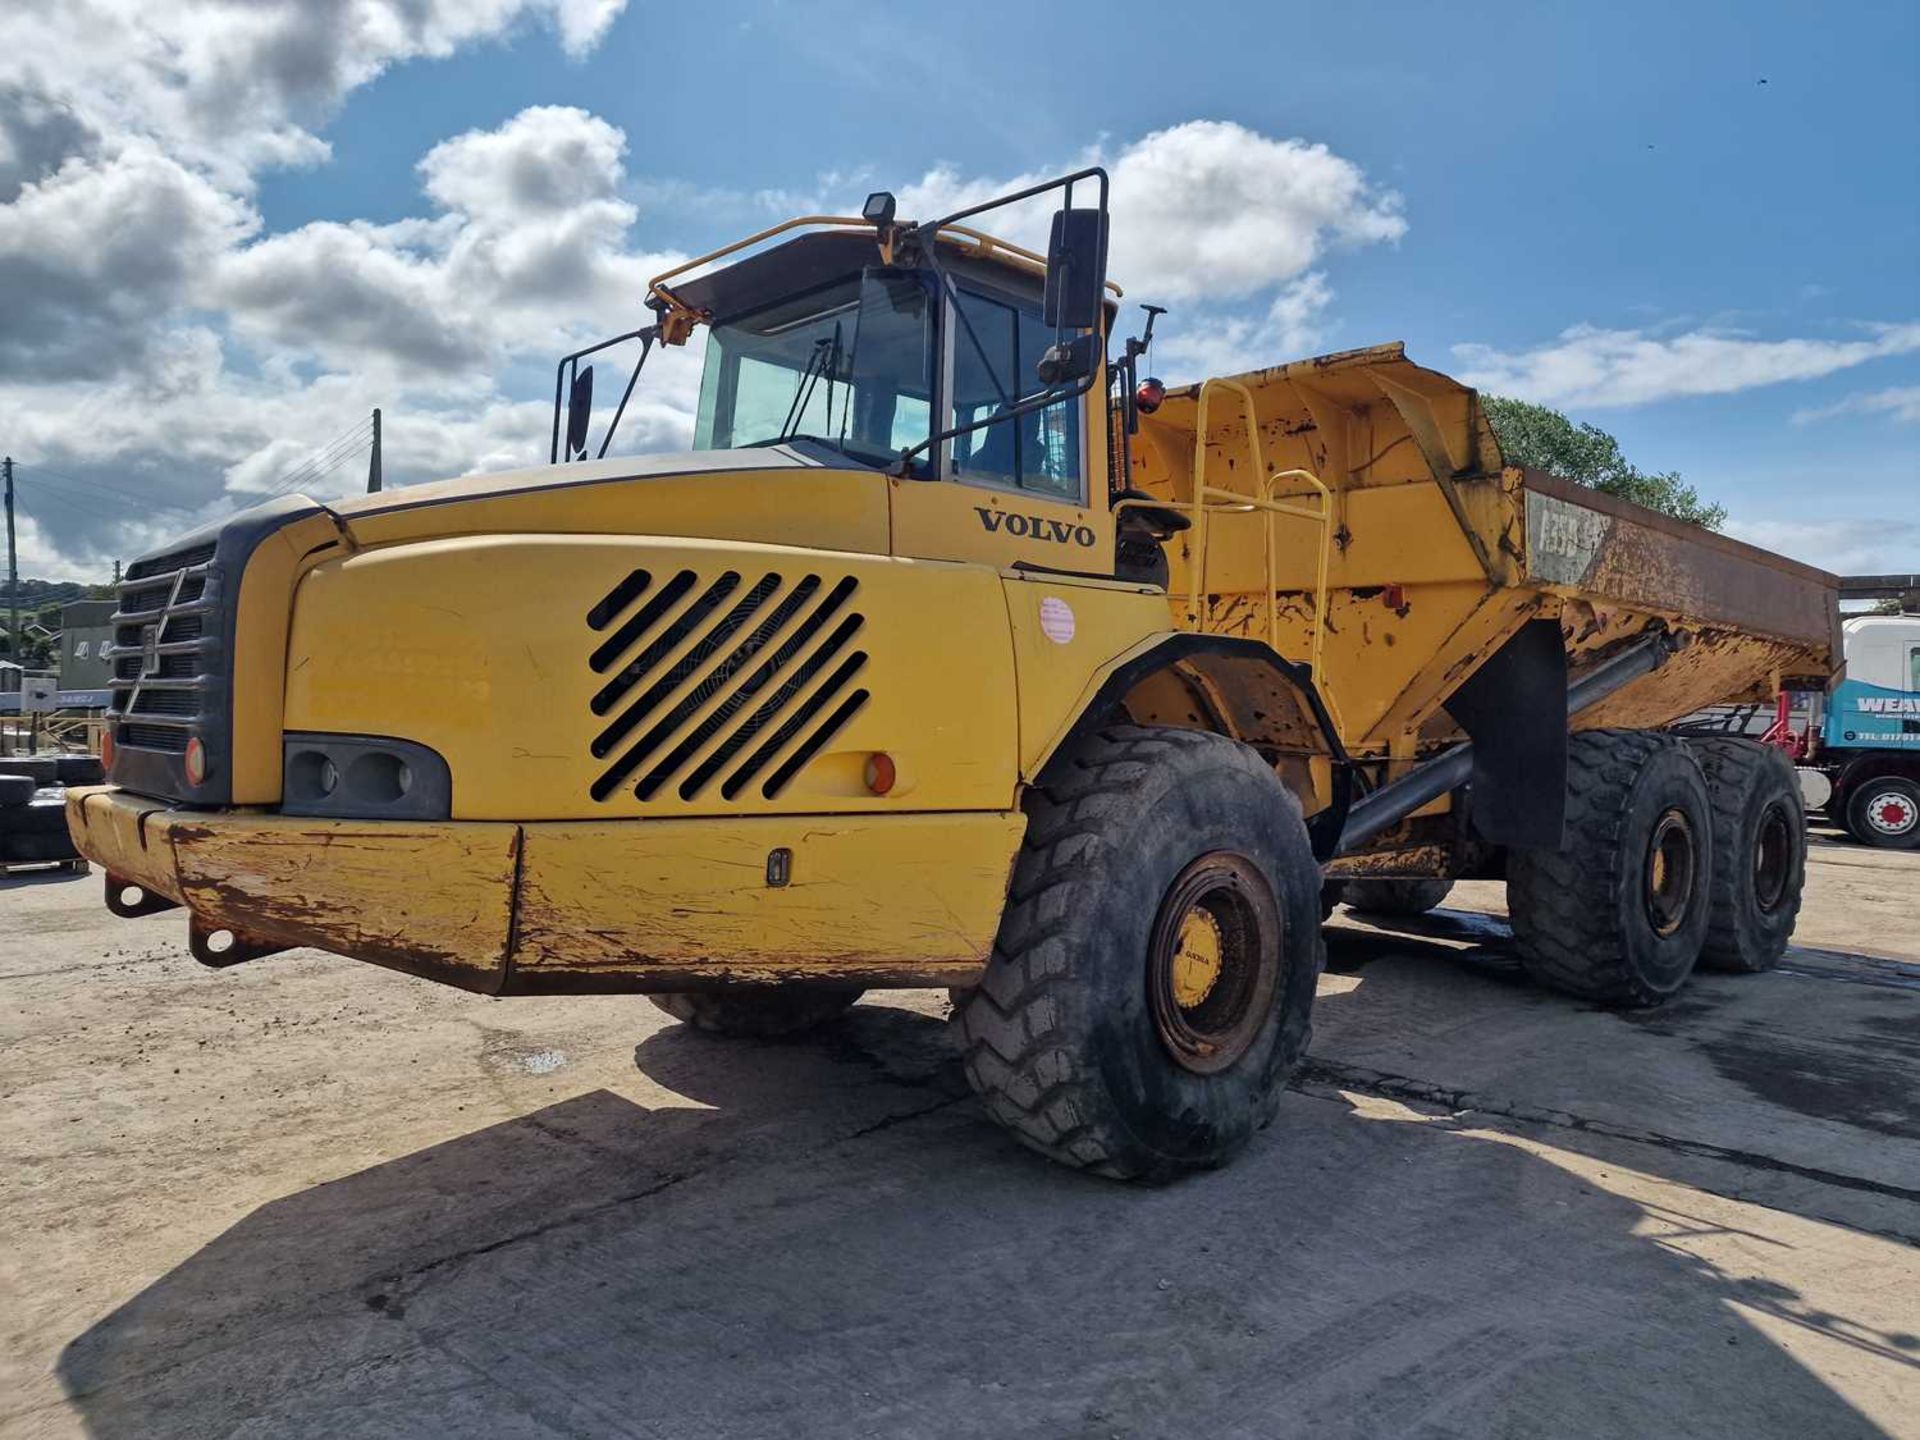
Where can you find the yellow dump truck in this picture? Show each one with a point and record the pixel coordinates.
(958, 653)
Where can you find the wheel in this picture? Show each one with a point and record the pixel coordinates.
(1885, 811)
(1619, 913)
(1396, 897)
(1759, 853)
(1151, 986)
(758, 1011)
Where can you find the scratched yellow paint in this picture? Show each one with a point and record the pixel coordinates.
(909, 896)
(479, 647)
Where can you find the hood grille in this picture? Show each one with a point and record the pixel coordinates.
(163, 670)
(717, 677)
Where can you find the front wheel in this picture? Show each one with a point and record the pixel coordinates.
(1152, 983)
(1884, 811)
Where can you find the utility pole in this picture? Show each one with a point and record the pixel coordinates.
(13, 581)
(373, 461)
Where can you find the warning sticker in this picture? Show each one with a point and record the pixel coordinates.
(1056, 620)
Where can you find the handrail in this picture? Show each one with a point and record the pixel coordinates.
(1224, 499)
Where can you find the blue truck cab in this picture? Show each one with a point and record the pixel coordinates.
(1869, 739)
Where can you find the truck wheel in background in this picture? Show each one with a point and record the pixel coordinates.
(1884, 811)
(1152, 983)
(1619, 913)
(1396, 897)
(758, 1011)
(1759, 853)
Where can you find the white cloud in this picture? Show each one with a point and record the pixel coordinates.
(1206, 211)
(90, 252)
(1595, 368)
(230, 86)
(1291, 327)
(1874, 546)
(1902, 403)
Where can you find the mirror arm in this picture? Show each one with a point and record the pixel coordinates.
(1026, 407)
(646, 337)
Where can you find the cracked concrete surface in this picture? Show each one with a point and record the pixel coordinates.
(305, 1197)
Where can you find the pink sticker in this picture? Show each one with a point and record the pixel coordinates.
(1056, 620)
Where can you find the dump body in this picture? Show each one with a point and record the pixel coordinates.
(1432, 553)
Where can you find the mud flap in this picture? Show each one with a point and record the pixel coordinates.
(1514, 708)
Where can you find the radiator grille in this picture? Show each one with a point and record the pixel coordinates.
(697, 668)
(162, 661)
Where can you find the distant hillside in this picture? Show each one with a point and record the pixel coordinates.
(37, 595)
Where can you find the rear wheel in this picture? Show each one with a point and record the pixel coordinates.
(1396, 897)
(1619, 913)
(1759, 853)
(1884, 811)
(1152, 983)
(758, 1011)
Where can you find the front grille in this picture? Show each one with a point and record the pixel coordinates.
(161, 564)
(163, 661)
(731, 677)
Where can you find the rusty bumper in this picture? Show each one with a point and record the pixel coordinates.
(632, 905)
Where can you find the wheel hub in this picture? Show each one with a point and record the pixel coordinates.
(1772, 857)
(1891, 813)
(1197, 963)
(1670, 872)
(1213, 962)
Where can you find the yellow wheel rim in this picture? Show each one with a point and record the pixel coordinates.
(1199, 960)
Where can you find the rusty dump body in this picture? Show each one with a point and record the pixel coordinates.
(1436, 551)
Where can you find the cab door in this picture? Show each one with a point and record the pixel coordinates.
(1027, 491)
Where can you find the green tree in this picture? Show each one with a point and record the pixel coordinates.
(1543, 439)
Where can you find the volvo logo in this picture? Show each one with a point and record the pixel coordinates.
(1034, 527)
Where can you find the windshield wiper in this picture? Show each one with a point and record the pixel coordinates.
(824, 360)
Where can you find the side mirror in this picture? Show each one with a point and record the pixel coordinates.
(579, 413)
(1076, 269)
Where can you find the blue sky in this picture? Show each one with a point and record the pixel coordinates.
(1601, 207)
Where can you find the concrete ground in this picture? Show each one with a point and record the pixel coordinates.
(305, 1197)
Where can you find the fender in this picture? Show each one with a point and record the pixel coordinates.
(1241, 688)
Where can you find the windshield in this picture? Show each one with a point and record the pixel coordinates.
(849, 364)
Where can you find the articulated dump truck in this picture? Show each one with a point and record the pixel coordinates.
(961, 654)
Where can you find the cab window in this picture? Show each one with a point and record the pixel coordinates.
(995, 347)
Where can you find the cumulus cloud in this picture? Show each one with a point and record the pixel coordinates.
(91, 251)
(1211, 216)
(1595, 368)
(1204, 211)
(1868, 546)
(1225, 344)
(229, 86)
(1901, 403)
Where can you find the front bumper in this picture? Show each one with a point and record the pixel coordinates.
(622, 905)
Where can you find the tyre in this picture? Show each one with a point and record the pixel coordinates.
(79, 770)
(758, 1011)
(1759, 853)
(1396, 897)
(16, 790)
(1620, 912)
(1151, 986)
(41, 769)
(1884, 811)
